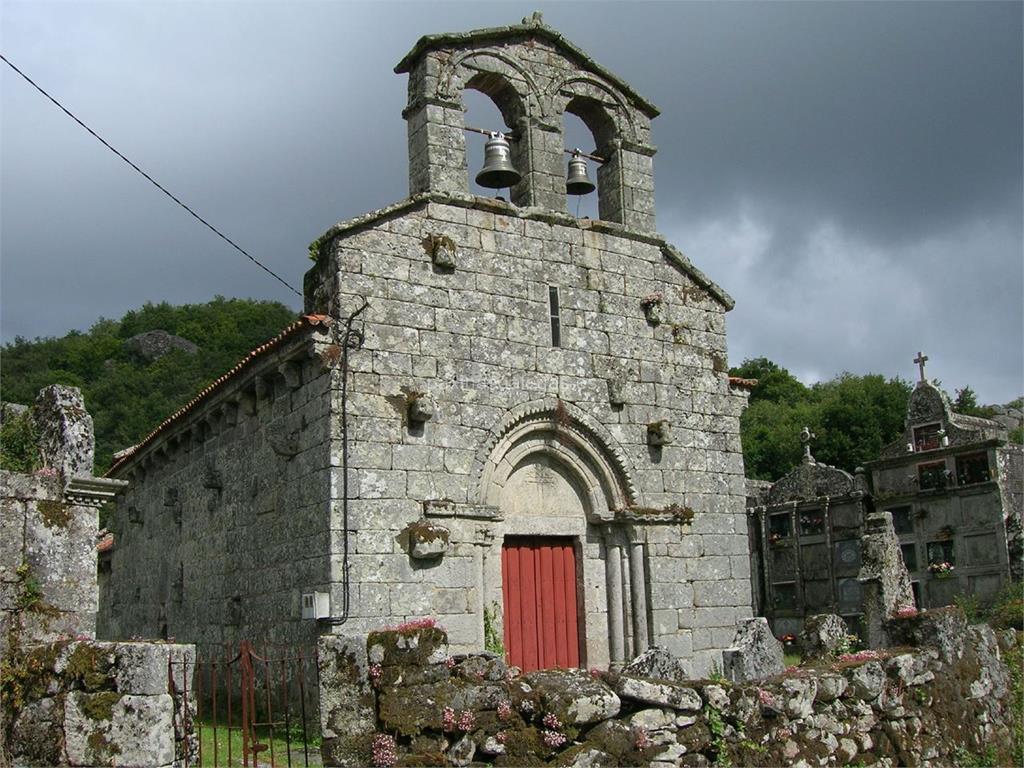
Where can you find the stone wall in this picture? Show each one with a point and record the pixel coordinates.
(87, 703)
(399, 698)
(475, 342)
(225, 520)
(47, 561)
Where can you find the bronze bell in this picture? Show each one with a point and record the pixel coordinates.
(577, 183)
(498, 171)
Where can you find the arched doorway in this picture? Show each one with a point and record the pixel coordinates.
(558, 482)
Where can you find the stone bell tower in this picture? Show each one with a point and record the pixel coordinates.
(533, 75)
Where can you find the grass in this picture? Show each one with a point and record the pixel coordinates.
(791, 659)
(217, 754)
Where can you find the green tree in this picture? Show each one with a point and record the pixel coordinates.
(126, 395)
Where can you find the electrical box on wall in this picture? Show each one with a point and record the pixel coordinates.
(316, 605)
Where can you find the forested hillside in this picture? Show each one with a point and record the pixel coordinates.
(126, 392)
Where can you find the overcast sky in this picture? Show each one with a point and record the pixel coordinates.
(850, 173)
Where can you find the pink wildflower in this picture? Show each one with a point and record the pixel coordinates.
(466, 720)
(448, 719)
(412, 624)
(501, 737)
(384, 751)
(504, 711)
(641, 740)
(552, 739)
(551, 721)
(375, 672)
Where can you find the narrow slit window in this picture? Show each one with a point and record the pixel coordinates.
(556, 323)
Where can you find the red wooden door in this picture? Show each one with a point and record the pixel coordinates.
(538, 583)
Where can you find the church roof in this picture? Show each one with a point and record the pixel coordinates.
(304, 322)
(528, 28)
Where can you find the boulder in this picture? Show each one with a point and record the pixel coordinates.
(659, 693)
(755, 653)
(657, 664)
(824, 635)
(573, 695)
(867, 681)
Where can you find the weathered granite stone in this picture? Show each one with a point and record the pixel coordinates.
(715, 696)
(347, 716)
(420, 646)
(108, 728)
(883, 575)
(64, 430)
(37, 733)
(798, 696)
(756, 653)
(867, 681)
(574, 696)
(824, 635)
(462, 751)
(658, 693)
(658, 664)
(830, 688)
(152, 345)
(944, 629)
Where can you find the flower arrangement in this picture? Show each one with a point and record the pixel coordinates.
(774, 538)
(787, 640)
(384, 751)
(941, 568)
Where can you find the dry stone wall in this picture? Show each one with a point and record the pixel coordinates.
(87, 703)
(400, 698)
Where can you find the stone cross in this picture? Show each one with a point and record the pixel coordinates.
(921, 359)
(805, 437)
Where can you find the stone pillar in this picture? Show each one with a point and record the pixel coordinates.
(613, 578)
(638, 593)
(539, 157)
(66, 441)
(626, 184)
(883, 575)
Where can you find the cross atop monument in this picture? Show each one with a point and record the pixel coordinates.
(921, 359)
(806, 436)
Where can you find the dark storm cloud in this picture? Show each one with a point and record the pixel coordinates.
(851, 173)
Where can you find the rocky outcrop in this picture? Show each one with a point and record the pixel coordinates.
(937, 702)
(152, 345)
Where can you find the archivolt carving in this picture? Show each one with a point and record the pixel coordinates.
(578, 442)
(457, 71)
(590, 87)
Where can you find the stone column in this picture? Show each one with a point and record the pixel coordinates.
(616, 610)
(638, 593)
(883, 575)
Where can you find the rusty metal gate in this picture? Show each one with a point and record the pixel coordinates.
(250, 709)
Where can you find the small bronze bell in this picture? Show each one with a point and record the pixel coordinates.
(498, 171)
(577, 183)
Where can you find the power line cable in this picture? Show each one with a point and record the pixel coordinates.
(153, 181)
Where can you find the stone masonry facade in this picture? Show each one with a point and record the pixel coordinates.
(491, 372)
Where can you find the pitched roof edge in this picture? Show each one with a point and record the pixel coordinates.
(673, 254)
(303, 323)
(430, 42)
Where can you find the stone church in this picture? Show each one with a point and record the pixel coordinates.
(493, 413)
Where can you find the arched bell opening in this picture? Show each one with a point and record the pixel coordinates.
(492, 104)
(579, 170)
(603, 132)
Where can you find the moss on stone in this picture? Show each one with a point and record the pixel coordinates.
(100, 706)
(102, 748)
(55, 514)
(90, 667)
